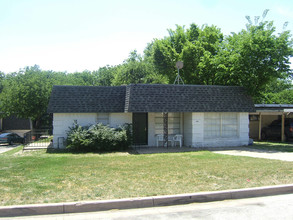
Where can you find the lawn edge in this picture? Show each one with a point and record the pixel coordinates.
(143, 202)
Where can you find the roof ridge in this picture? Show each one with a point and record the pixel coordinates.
(127, 97)
(185, 85)
(87, 86)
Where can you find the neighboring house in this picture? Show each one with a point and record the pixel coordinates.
(15, 124)
(206, 116)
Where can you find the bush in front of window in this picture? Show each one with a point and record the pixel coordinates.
(98, 138)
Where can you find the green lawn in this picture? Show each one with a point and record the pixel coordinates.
(40, 177)
(275, 146)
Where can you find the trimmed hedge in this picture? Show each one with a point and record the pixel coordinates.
(98, 138)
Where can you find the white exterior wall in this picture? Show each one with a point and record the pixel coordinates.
(151, 129)
(244, 128)
(197, 120)
(117, 119)
(193, 129)
(197, 134)
(62, 121)
(187, 129)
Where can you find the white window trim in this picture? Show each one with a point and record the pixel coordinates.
(221, 126)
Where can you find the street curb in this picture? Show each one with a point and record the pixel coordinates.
(144, 202)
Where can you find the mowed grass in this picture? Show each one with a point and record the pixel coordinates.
(275, 146)
(40, 177)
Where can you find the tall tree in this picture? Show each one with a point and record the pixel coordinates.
(104, 75)
(252, 58)
(2, 77)
(195, 46)
(85, 78)
(26, 95)
(136, 70)
(256, 56)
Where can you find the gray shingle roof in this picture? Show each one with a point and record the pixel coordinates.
(187, 98)
(79, 99)
(149, 98)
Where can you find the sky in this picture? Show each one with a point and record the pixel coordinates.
(78, 35)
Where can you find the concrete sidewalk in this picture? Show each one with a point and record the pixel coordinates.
(154, 201)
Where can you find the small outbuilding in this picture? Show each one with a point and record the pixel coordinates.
(189, 115)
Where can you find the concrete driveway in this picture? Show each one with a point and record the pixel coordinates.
(4, 147)
(249, 152)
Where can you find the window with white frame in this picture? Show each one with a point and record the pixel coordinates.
(173, 123)
(220, 125)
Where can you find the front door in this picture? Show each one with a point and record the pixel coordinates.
(140, 128)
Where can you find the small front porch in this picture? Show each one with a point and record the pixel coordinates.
(149, 129)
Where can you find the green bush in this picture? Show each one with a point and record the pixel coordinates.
(99, 138)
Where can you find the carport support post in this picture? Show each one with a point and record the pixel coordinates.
(165, 128)
(283, 128)
(259, 127)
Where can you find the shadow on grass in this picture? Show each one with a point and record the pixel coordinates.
(64, 151)
(272, 146)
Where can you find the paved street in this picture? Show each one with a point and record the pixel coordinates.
(273, 207)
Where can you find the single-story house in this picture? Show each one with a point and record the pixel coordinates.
(204, 116)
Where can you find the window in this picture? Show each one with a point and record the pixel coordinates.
(220, 125)
(103, 118)
(173, 123)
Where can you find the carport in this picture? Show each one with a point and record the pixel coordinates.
(265, 114)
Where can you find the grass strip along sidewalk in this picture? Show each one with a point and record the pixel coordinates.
(40, 177)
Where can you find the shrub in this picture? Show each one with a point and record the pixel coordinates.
(98, 137)
(78, 138)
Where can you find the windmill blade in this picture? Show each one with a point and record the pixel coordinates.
(248, 19)
(256, 18)
(285, 25)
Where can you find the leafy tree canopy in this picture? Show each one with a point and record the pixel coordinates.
(136, 70)
(252, 58)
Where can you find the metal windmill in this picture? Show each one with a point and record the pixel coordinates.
(178, 80)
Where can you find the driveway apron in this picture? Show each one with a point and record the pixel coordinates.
(4, 148)
(274, 155)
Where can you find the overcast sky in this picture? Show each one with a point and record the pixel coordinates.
(77, 35)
